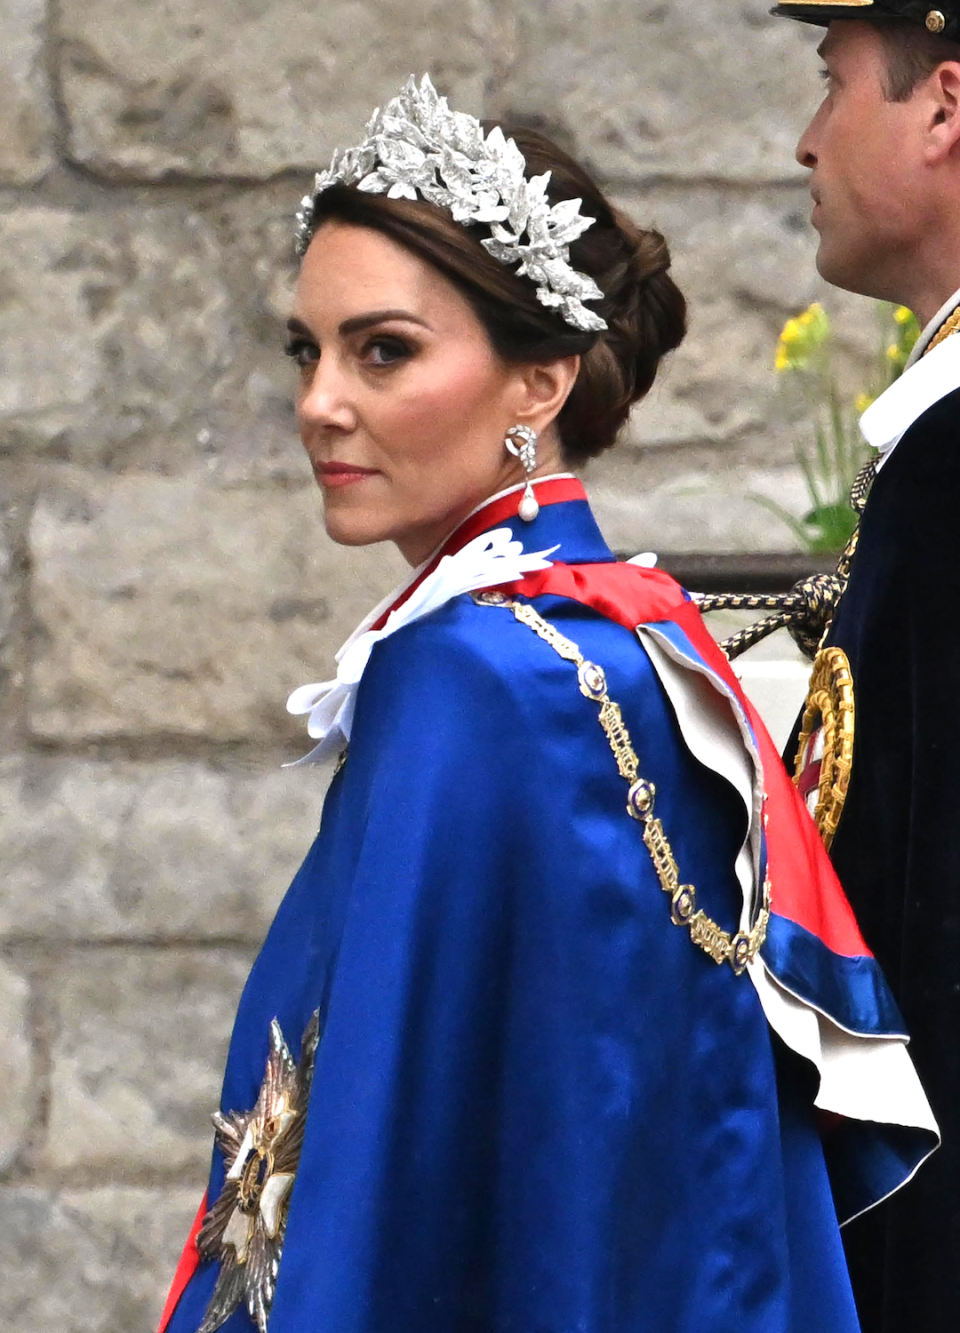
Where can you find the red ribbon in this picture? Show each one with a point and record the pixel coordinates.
(189, 1262)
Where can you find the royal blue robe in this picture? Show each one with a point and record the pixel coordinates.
(537, 1107)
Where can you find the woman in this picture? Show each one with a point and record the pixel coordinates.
(522, 1050)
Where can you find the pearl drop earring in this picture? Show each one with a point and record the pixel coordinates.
(521, 441)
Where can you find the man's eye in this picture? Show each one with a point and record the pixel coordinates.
(303, 352)
(385, 351)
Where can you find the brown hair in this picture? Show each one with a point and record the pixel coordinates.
(910, 55)
(644, 310)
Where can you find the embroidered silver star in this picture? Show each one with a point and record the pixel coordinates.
(245, 1228)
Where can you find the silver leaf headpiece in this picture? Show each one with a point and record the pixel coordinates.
(417, 146)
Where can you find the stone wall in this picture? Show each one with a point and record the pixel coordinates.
(164, 577)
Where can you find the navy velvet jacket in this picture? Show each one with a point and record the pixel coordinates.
(897, 848)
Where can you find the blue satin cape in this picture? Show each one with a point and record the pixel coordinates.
(537, 1106)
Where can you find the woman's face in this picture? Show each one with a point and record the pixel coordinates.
(402, 403)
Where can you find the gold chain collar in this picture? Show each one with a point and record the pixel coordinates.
(738, 950)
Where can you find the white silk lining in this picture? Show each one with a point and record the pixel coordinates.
(723, 743)
(862, 1077)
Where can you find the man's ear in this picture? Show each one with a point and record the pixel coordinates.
(942, 127)
(543, 388)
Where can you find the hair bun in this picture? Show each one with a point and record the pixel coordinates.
(646, 315)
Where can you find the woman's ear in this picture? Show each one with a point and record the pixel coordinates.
(543, 388)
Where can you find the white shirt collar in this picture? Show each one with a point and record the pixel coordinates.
(924, 382)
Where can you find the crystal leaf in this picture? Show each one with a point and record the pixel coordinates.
(417, 145)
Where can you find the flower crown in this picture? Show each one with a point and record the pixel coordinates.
(417, 145)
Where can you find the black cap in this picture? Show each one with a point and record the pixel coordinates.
(943, 20)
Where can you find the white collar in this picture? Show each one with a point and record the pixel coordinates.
(492, 558)
(409, 579)
(924, 382)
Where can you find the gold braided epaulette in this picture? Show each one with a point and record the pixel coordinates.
(738, 950)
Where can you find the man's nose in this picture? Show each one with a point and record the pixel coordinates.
(805, 156)
(804, 151)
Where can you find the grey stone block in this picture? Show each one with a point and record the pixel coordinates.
(247, 430)
(720, 427)
(17, 1092)
(89, 1261)
(142, 328)
(692, 90)
(695, 509)
(170, 607)
(8, 598)
(138, 1049)
(245, 89)
(26, 117)
(171, 849)
(744, 263)
(169, 334)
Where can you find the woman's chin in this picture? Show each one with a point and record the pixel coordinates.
(352, 529)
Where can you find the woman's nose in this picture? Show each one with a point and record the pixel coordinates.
(324, 400)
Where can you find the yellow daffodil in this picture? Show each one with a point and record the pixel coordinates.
(907, 331)
(830, 459)
(800, 338)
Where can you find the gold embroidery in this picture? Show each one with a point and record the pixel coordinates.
(829, 710)
(948, 327)
(737, 950)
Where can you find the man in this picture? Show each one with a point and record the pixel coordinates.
(883, 152)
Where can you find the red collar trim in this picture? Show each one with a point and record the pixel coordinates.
(551, 491)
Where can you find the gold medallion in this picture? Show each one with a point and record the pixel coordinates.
(825, 746)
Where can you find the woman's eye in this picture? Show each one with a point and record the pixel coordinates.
(302, 352)
(385, 351)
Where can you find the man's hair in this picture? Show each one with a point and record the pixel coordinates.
(912, 54)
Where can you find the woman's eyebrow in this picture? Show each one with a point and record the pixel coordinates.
(295, 325)
(358, 322)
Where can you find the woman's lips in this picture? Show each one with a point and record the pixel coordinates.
(341, 474)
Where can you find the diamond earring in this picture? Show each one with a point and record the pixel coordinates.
(521, 441)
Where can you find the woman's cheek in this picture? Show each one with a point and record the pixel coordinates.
(427, 421)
